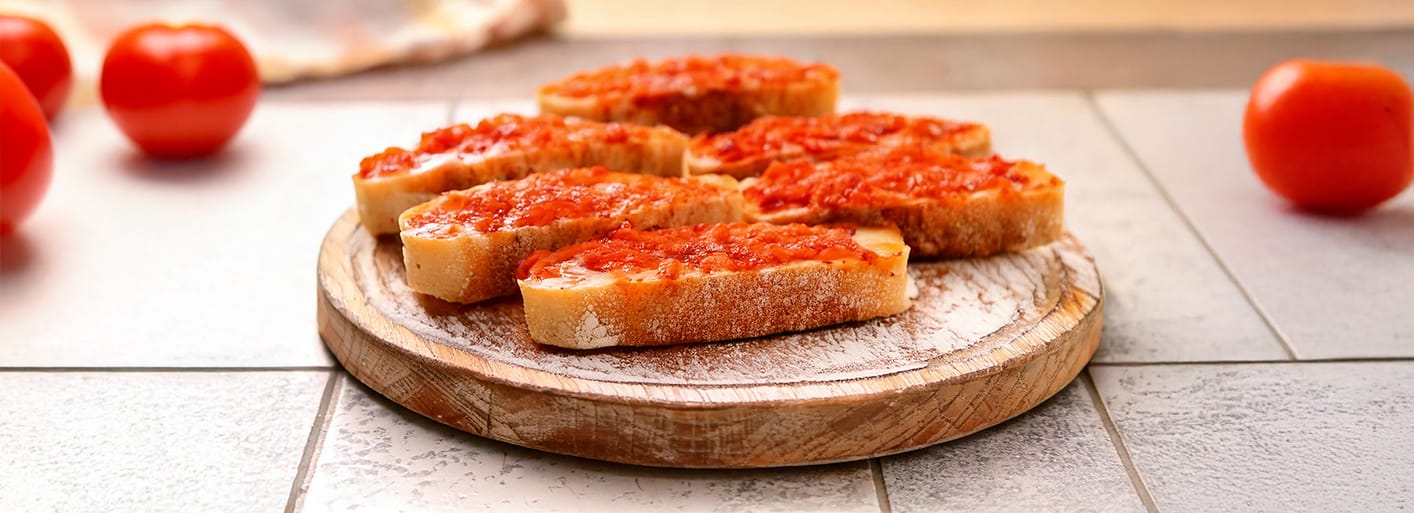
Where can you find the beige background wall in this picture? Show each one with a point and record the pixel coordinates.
(752, 17)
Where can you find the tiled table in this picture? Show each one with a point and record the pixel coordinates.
(158, 350)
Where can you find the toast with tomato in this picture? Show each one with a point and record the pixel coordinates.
(751, 149)
(695, 94)
(465, 245)
(708, 283)
(504, 147)
(946, 205)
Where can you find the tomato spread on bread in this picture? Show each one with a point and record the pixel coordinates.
(892, 177)
(500, 134)
(539, 199)
(704, 249)
(689, 74)
(830, 135)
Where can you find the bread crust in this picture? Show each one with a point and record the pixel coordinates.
(381, 200)
(474, 267)
(698, 164)
(721, 306)
(984, 223)
(974, 141)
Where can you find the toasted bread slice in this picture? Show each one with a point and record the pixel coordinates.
(749, 150)
(695, 94)
(711, 282)
(501, 148)
(946, 205)
(464, 246)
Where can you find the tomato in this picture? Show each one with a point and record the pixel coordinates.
(179, 91)
(35, 53)
(1331, 136)
(26, 156)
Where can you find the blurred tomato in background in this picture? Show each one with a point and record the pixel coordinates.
(34, 52)
(179, 91)
(26, 157)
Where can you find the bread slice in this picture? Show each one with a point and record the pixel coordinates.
(464, 246)
(711, 282)
(944, 204)
(695, 94)
(749, 150)
(501, 148)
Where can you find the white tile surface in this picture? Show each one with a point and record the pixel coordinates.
(1335, 287)
(1057, 457)
(380, 457)
(133, 262)
(1167, 299)
(1268, 437)
(153, 442)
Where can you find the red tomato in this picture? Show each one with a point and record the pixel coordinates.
(26, 157)
(1331, 136)
(35, 53)
(179, 91)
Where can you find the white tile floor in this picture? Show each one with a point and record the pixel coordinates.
(1336, 288)
(153, 441)
(419, 465)
(1058, 457)
(1268, 437)
(238, 235)
(204, 264)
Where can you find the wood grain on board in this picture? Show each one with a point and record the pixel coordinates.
(985, 340)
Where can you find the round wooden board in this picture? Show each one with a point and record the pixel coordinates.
(985, 340)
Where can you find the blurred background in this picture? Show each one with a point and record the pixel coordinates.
(741, 17)
(503, 48)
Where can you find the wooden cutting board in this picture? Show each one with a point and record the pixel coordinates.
(985, 340)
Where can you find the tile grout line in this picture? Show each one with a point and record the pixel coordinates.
(293, 368)
(881, 490)
(317, 430)
(1173, 204)
(1118, 442)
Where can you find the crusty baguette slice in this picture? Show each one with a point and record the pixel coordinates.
(944, 204)
(465, 245)
(749, 150)
(695, 94)
(711, 282)
(501, 148)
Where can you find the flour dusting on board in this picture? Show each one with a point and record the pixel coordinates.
(959, 305)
